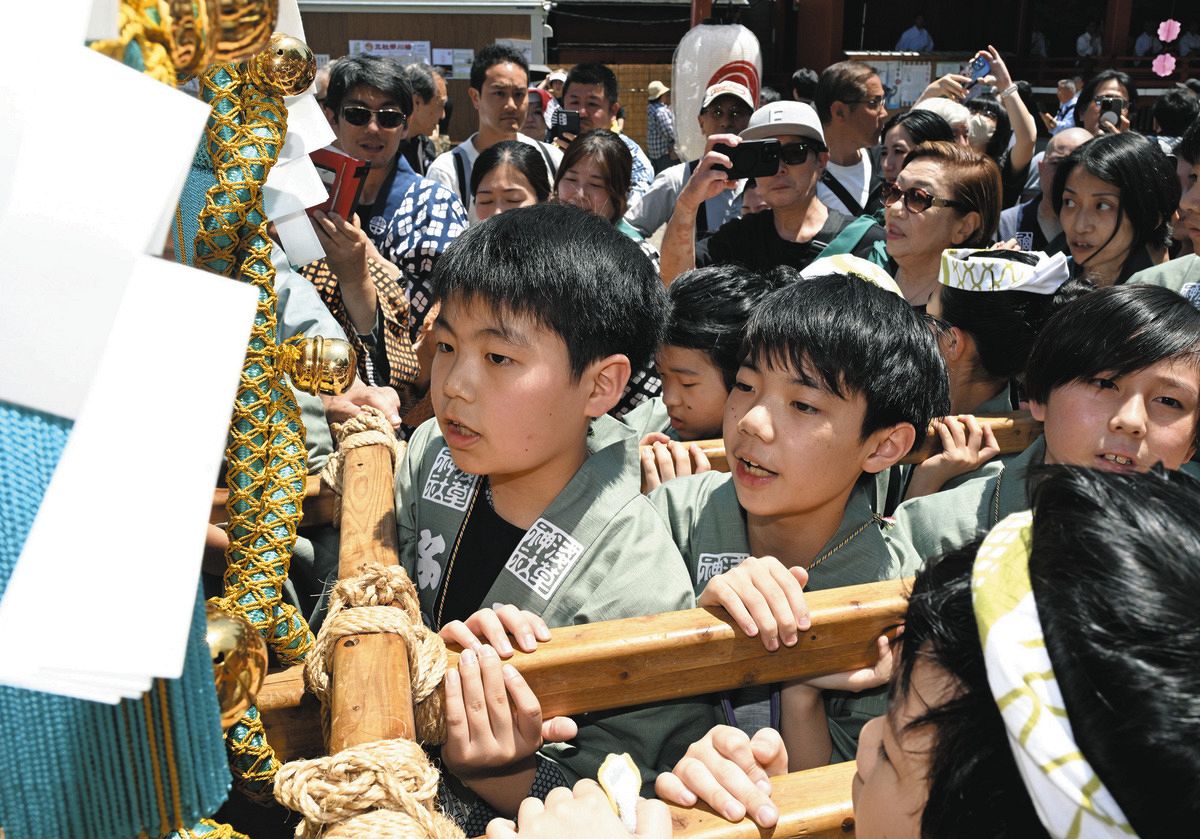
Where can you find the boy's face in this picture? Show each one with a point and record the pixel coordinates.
(693, 391)
(1125, 424)
(1189, 204)
(793, 449)
(503, 393)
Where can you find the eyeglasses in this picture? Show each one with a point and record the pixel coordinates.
(873, 103)
(916, 200)
(733, 113)
(387, 118)
(796, 154)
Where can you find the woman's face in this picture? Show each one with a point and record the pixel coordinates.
(891, 784)
(896, 144)
(535, 123)
(586, 186)
(1091, 114)
(1098, 233)
(502, 189)
(915, 236)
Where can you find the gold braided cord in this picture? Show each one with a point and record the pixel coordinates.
(140, 26)
(266, 454)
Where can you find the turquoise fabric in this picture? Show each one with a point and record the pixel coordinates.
(75, 768)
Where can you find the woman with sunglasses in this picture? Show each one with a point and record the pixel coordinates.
(1105, 103)
(1115, 196)
(946, 196)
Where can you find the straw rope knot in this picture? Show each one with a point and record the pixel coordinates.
(383, 599)
(386, 788)
(368, 427)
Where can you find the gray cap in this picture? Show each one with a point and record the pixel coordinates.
(781, 118)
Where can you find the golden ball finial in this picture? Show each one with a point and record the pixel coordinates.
(286, 66)
(320, 365)
(239, 656)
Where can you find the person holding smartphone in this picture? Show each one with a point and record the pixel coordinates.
(796, 227)
(1106, 102)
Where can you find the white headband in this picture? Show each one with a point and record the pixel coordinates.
(972, 270)
(1071, 800)
(848, 265)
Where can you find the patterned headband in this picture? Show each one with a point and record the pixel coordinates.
(975, 270)
(1071, 800)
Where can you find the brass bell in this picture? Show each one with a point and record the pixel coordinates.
(239, 656)
(286, 66)
(320, 365)
(245, 28)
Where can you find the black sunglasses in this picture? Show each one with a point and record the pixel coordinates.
(387, 118)
(795, 154)
(916, 200)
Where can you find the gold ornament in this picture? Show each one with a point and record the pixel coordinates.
(319, 365)
(245, 28)
(190, 29)
(285, 67)
(239, 657)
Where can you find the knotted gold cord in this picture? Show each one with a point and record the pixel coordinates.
(266, 455)
(140, 25)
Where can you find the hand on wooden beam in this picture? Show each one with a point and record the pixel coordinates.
(494, 626)
(730, 772)
(583, 811)
(764, 597)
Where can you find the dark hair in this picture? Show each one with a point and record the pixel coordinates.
(1116, 330)
(489, 57)
(1174, 111)
(1004, 324)
(828, 331)
(1189, 147)
(804, 84)
(844, 81)
(1127, 660)
(1089, 91)
(989, 104)
(975, 788)
(615, 159)
(708, 309)
(421, 77)
(924, 126)
(976, 180)
(523, 157)
(384, 74)
(569, 270)
(592, 73)
(1145, 177)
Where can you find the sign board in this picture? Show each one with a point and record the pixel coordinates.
(406, 52)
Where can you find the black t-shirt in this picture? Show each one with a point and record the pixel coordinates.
(752, 241)
(487, 543)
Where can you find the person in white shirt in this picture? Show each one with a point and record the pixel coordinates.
(500, 93)
(1088, 44)
(1147, 42)
(852, 107)
(1065, 118)
(916, 38)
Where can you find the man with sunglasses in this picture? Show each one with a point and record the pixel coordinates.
(796, 227)
(409, 219)
(851, 103)
(725, 109)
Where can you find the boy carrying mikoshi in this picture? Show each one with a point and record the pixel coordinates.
(524, 492)
(1115, 378)
(839, 381)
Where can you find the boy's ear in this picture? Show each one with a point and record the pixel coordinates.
(886, 446)
(607, 377)
(1037, 410)
(955, 348)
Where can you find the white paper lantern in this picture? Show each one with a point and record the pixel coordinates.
(705, 56)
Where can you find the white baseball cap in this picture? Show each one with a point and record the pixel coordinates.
(781, 118)
(720, 89)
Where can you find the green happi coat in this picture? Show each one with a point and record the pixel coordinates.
(947, 520)
(650, 416)
(598, 552)
(710, 530)
(998, 404)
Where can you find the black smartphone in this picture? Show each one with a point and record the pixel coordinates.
(1111, 108)
(750, 158)
(564, 122)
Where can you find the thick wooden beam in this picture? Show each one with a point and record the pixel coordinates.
(371, 697)
(814, 804)
(613, 664)
(1014, 432)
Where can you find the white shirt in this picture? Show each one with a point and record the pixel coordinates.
(1145, 43)
(856, 179)
(652, 209)
(1086, 45)
(915, 39)
(444, 171)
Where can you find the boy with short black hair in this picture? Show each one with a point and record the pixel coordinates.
(524, 492)
(839, 381)
(1115, 378)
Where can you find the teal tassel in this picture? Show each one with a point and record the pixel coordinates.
(75, 768)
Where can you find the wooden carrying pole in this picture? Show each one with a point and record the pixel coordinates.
(371, 697)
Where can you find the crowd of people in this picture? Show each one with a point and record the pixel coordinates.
(895, 276)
